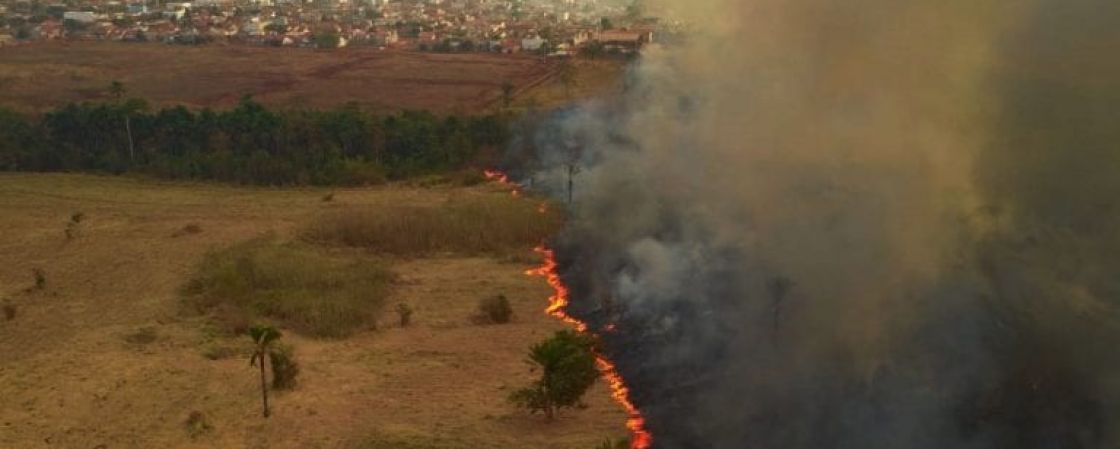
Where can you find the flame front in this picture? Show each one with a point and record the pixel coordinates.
(503, 179)
(558, 307)
(640, 438)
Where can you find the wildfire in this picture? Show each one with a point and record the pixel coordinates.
(557, 307)
(503, 179)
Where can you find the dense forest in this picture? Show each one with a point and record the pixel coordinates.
(248, 144)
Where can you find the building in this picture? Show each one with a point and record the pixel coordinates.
(533, 43)
(80, 16)
(624, 41)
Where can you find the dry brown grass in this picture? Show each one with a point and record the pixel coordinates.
(69, 376)
(42, 76)
(594, 78)
(468, 225)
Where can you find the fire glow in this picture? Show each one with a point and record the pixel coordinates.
(502, 179)
(557, 307)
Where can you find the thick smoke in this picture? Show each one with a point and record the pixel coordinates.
(858, 224)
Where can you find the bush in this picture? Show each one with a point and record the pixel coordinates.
(566, 362)
(197, 424)
(9, 312)
(142, 336)
(73, 225)
(217, 351)
(304, 289)
(285, 369)
(40, 278)
(189, 229)
(471, 225)
(495, 310)
(405, 314)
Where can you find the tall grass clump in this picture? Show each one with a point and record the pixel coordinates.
(298, 286)
(464, 225)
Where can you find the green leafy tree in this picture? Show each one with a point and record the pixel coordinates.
(263, 339)
(566, 363)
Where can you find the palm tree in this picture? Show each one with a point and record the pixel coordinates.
(263, 337)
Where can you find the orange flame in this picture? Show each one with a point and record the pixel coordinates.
(503, 179)
(557, 307)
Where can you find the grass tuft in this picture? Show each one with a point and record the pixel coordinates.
(298, 286)
(490, 224)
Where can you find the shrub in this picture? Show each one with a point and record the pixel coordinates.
(142, 336)
(197, 424)
(285, 369)
(40, 278)
(328, 197)
(9, 312)
(566, 362)
(495, 310)
(72, 226)
(215, 351)
(466, 225)
(298, 286)
(468, 178)
(189, 229)
(405, 314)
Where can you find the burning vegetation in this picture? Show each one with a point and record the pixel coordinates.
(557, 307)
(812, 227)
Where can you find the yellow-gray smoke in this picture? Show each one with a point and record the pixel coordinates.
(861, 223)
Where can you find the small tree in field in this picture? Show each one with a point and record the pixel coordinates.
(263, 338)
(567, 366)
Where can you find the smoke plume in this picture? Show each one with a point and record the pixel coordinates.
(857, 224)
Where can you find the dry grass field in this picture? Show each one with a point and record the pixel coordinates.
(39, 77)
(105, 356)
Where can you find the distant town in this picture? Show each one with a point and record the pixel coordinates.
(545, 27)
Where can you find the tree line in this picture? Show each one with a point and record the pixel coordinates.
(248, 144)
